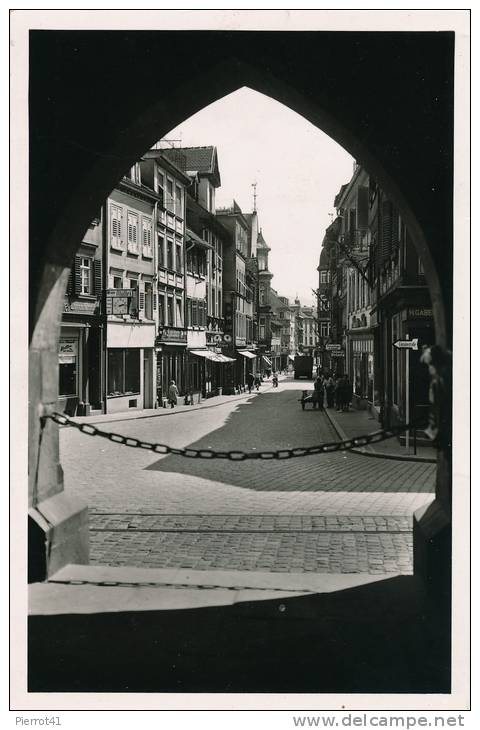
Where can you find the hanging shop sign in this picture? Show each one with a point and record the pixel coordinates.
(337, 353)
(332, 346)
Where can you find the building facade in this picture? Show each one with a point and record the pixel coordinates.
(82, 331)
(169, 184)
(373, 277)
(130, 306)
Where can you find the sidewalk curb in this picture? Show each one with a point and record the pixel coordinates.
(160, 412)
(368, 451)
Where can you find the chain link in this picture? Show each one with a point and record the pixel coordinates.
(324, 448)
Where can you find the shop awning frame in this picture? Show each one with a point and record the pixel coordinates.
(247, 353)
(212, 356)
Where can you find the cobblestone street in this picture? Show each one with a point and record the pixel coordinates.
(326, 513)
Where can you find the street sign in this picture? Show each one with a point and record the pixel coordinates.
(337, 353)
(406, 344)
(332, 346)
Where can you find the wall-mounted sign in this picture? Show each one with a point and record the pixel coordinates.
(119, 301)
(419, 312)
(172, 334)
(337, 353)
(332, 346)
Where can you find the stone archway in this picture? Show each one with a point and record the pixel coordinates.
(78, 166)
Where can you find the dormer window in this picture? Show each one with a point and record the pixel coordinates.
(134, 174)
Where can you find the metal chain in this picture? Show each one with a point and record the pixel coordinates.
(325, 448)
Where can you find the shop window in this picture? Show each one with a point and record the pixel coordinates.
(132, 232)
(123, 372)
(67, 371)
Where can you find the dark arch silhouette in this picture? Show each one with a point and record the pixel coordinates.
(98, 100)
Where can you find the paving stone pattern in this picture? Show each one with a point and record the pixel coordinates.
(327, 513)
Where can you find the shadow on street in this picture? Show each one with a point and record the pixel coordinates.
(273, 421)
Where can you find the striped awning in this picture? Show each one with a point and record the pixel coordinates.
(266, 360)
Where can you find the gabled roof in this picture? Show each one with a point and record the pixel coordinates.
(202, 160)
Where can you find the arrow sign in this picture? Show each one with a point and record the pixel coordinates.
(331, 346)
(406, 344)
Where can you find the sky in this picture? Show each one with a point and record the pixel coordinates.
(298, 170)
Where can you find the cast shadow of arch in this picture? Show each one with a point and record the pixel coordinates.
(273, 421)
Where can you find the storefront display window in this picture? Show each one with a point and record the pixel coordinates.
(67, 370)
(123, 372)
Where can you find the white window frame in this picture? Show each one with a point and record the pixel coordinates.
(86, 267)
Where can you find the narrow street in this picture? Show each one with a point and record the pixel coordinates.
(327, 513)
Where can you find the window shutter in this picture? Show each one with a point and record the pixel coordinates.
(386, 229)
(141, 299)
(97, 272)
(78, 275)
(70, 282)
(362, 208)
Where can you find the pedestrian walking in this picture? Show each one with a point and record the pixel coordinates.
(250, 381)
(172, 394)
(339, 394)
(275, 380)
(318, 393)
(330, 392)
(347, 394)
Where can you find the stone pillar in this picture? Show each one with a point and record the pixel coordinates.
(432, 525)
(57, 523)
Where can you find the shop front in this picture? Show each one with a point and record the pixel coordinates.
(170, 349)
(248, 363)
(361, 369)
(79, 369)
(129, 367)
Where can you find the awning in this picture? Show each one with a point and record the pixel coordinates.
(248, 354)
(266, 360)
(291, 357)
(213, 356)
(207, 354)
(223, 358)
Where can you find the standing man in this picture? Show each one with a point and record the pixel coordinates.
(250, 381)
(172, 394)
